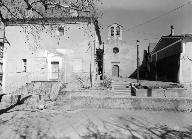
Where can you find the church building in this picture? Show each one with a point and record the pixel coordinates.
(119, 56)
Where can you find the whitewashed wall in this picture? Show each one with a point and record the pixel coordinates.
(185, 73)
(69, 49)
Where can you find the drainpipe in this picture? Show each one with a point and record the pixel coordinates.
(103, 62)
(91, 69)
(156, 66)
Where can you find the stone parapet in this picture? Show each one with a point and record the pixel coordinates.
(133, 103)
(164, 93)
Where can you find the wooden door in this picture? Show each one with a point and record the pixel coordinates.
(55, 70)
(115, 71)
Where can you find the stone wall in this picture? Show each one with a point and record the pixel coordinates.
(33, 95)
(166, 69)
(125, 58)
(104, 99)
(164, 93)
(133, 103)
(74, 47)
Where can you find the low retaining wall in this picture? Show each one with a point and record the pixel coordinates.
(133, 103)
(105, 100)
(163, 93)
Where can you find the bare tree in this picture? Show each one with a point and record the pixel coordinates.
(29, 11)
(23, 9)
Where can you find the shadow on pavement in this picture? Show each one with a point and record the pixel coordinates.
(137, 129)
(19, 102)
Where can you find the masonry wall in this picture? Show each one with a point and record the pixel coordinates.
(125, 59)
(168, 68)
(39, 46)
(174, 68)
(186, 62)
(13, 66)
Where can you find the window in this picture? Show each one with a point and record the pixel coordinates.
(118, 31)
(55, 70)
(115, 50)
(24, 65)
(112, 31)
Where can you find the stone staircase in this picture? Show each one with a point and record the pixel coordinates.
(121, 87)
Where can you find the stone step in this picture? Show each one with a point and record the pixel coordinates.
(122, 91)
(120, 88)
(123, 86)
(122, 95)
(128, 90)
(120, 84)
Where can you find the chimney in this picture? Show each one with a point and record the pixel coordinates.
(172, 30)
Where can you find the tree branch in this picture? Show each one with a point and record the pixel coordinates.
(29, 7)
(1, 17)
(3, 5)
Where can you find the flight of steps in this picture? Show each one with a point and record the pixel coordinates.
(120, 87)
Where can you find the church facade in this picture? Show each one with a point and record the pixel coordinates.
(119, 56)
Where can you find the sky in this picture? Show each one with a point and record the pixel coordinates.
(129, 13)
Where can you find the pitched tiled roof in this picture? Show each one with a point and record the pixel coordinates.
(168, 40)
(151, 47)
(51, 20)
(168, 46)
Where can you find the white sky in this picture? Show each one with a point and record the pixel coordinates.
(132, 12)
(140, 4)
(129, 13)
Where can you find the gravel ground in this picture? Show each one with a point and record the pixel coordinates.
(58, 121)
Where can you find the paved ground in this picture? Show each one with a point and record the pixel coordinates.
(57, 123)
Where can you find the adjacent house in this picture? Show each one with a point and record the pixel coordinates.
(171, 59)
(56, 50)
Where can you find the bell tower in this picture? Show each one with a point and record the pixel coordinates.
(115, 32)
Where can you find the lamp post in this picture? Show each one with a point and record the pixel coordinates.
(103, 61)
(137, 43)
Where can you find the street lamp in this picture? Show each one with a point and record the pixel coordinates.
(137, 43)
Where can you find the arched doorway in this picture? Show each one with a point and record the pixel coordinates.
(115, 71)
